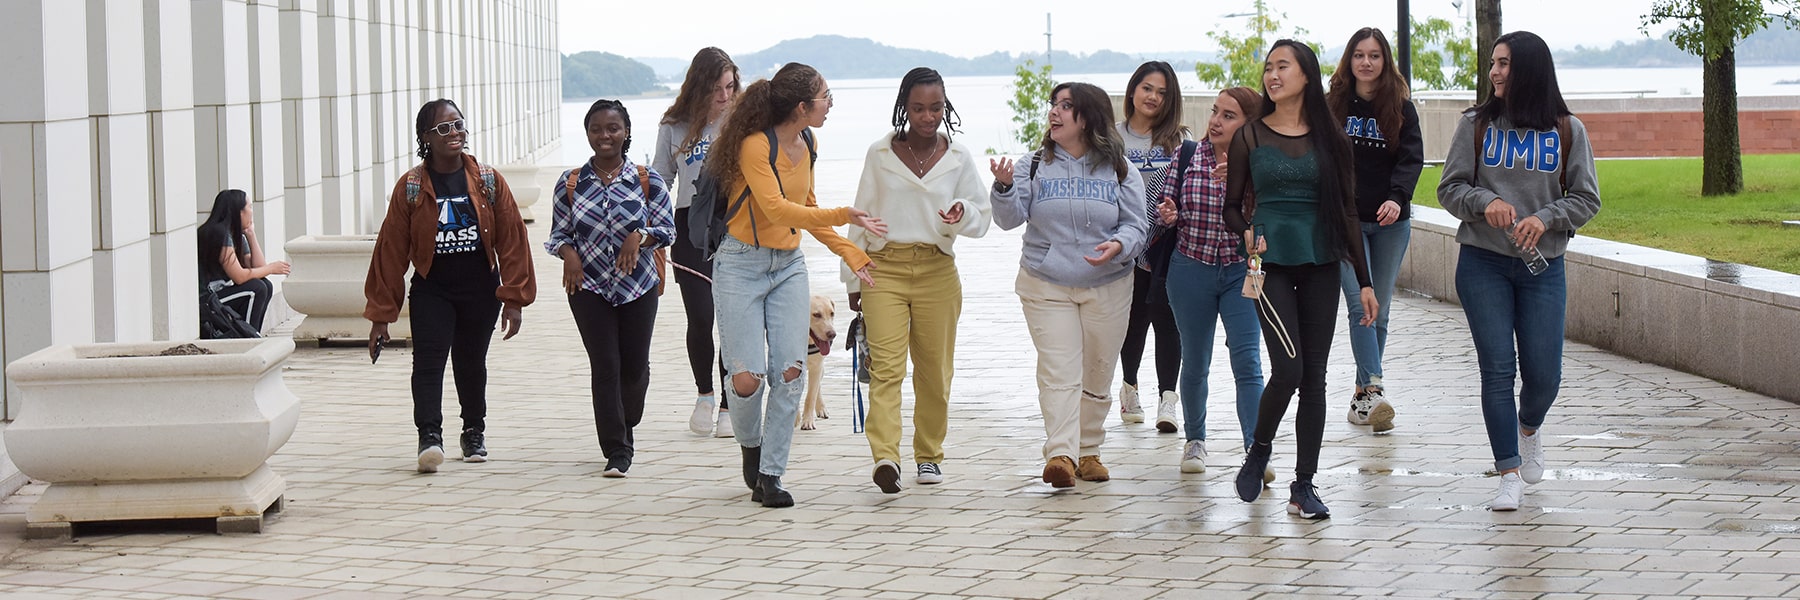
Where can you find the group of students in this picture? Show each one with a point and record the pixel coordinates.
(1293, 197)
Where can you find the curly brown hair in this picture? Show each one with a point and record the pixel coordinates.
(763, 105)
(693, 105)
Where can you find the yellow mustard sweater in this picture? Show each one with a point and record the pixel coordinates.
(779, 215)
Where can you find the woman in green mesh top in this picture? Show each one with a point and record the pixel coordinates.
(1289, 178)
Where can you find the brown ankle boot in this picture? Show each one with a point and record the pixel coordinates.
(1092, 470)
(1060, 472)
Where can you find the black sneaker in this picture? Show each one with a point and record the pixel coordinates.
(1303, 500)
(431, 451)
(474, 446)
(617, 466)
(1250, 476)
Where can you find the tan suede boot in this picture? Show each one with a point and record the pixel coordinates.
(1060, 472)
(1092, 470)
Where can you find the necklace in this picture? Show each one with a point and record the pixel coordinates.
(920, 171)
(607, 178)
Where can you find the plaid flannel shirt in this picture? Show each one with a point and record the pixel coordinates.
(1200, 207)
(598, 221)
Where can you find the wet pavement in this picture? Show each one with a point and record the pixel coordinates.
(1659, 484)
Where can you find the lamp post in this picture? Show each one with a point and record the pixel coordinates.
(1256, 25)
(1403, 39)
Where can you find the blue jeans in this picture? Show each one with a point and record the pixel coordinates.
(761, 295)
(1503, 301)
(1202, 295)
(1385, 245)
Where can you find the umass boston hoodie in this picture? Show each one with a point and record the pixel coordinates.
(1071, 206)
(1385, 169)
(1525, 168)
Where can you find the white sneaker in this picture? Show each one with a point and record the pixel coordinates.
(1168, 410)
(701, 422)
(1531, 455)
(1129, 411)
(1360, 407)
(722, 429)
(1193, 457)
(1512, 491)
(430, 458)
(1381, 414)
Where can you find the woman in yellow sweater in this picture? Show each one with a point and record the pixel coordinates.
(759, 276)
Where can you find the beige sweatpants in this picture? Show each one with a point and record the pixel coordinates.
(1078, 333)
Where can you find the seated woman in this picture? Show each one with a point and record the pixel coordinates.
(231, 260)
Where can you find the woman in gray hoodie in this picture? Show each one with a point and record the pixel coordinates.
(1083, 207)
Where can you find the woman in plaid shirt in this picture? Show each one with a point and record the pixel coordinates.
(609, 217)
(1206, 279)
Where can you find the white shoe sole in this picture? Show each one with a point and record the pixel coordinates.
(613, 473)
(1193, 466)
(479, 458)
(430, 459)
(1136, 417)
(1381, 418)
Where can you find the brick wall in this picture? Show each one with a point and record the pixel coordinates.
(1639, 134)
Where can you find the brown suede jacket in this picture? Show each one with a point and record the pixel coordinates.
(409, 236)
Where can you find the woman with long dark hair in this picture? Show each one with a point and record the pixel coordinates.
(759, 276)
(929, 192)
(231, 258)
(1370, 98)
(610, 216)
(1520, 177)
(1152, 133)
(683, 139)
(454, 222)
(1297, 163)
(1082, 206)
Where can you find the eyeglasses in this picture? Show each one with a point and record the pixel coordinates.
(448, 127)
(826, 97)
(1065, 106)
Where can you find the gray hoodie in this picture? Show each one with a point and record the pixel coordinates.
(681, 168)
(1073, 205)
(1522, 167)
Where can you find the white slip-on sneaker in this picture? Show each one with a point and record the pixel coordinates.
(1531, 455)
(1168, 410)
(1129, 411)
(1193, 457)
(1512, 491)
(701, 422)
(722, 429)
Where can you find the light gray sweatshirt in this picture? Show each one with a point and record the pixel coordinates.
(681, 167)
(1071, 206)
(1524, 168)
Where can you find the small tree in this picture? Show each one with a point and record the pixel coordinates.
(1030, 102)
(1487, 30)
(1711, 29)
(1437, 42)
(1241, 58)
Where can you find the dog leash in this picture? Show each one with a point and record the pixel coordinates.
(857, 413)
(692, 272)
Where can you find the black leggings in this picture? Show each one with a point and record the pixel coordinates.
(250, 299)
(1298, 311)
(1147, 310)
(697, 301)
(455, 323)
(618, 348)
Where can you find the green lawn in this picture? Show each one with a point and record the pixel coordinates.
(1657, 203)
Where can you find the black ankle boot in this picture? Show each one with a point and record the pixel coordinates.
(752, 458)
(773, 496)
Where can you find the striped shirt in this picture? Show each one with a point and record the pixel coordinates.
(598, 222)
(1200, 207)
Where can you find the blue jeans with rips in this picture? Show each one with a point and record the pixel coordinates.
(1504, 302)
(1202, 296)
(761, 297)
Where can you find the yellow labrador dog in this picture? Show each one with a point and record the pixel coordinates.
(820, 336)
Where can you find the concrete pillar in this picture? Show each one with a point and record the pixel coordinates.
(174, 200)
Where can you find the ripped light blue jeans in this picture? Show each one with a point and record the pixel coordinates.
(761, 299)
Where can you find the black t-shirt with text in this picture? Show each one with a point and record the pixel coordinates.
(460, 249)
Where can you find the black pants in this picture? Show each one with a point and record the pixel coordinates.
(1298, 311)
(454, 322)
(1148, 310)
(697, 301)
(250, 299)
(618, 348)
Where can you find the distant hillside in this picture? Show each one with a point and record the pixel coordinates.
(594, 74)
(1775, 46)
(856, 58)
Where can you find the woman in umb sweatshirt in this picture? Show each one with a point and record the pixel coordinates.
(929, 192)
(1520, 175)
(1369, 97)
(1083, 207)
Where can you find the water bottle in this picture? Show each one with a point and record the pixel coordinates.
(1534, 262)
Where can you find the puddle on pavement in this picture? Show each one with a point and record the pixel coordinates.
(1550, 474)
(1757, 527)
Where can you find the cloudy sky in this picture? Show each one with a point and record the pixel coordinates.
(965, 28)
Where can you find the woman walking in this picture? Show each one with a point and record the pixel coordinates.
(1370, 98)
(1082, 205)
(1520, 176)
(453, 220)
(608, 219)
(929, 190)
(231, 260)
(764, 154)
(1206, 279)
(1153, 133)
(1297, 163)
(683, 139)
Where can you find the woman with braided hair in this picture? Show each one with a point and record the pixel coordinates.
(929, 190)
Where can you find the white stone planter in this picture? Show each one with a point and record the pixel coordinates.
(327, 286)
(123, 434)
(523, 179)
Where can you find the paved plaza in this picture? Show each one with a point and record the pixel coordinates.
(1660, 484)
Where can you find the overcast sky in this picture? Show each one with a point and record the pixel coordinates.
(972, 28)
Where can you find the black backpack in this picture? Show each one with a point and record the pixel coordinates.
(709, 217)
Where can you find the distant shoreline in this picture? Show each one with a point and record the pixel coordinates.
(659, 93)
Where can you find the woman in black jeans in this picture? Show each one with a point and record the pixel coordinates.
(683, 139)
(231, 260)
(609, 217)
(454, 221)
(1296, 163)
